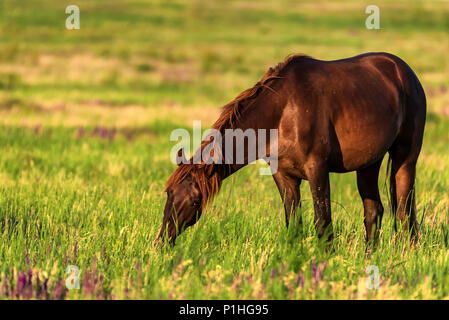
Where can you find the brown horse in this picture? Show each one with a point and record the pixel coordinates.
(331, 116)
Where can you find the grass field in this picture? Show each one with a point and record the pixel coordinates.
(85, 121)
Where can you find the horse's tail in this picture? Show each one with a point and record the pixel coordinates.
(392, 187)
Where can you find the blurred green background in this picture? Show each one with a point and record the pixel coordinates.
(164, 53)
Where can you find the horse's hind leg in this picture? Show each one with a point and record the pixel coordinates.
(404, 155)
(403, 170)
(367, 183)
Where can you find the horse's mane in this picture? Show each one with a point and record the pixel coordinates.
(231, 111)
(205, 175)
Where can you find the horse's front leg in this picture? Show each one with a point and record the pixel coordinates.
(318, 176)
(289, 189)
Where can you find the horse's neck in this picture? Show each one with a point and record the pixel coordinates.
(254, 119)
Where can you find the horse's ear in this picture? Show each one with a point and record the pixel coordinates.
(181, 158)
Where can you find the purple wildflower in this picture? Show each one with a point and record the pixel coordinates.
(21, 283)
(37, 128)
(59, 291)
(27, 260)
(314, 270)
(75, 249)
(87, 284)
(45, 289)
(300, 281)
(80, 133)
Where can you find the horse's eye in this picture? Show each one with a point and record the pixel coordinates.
(196, 203)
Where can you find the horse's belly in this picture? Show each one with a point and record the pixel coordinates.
(354, 159)
(362, 146)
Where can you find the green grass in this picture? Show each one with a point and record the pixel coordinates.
(69, 195)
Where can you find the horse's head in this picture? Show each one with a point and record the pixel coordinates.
(182, 209)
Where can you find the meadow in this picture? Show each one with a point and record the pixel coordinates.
(85, 121)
